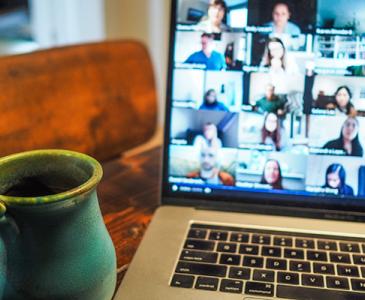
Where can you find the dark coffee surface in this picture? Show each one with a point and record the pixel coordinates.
(33, 187)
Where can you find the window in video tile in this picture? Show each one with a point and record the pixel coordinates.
(210, 91)
(204, 51)
(335, 175)
(212, 16)
(206, 165)
(340, 54)
(278, 171)
(204, 128)
(343, 17)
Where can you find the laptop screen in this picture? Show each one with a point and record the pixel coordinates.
(267, 98)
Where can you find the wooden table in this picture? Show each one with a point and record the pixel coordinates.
(129, 195)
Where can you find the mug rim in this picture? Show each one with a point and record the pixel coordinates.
(94, 179)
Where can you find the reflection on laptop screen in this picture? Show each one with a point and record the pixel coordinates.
(268, 96)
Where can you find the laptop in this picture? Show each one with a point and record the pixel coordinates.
(262, 192)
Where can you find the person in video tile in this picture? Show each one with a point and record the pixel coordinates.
(272, 133)
(272, 174)
(270, 103)
(280, 24)
(211, 102)
(349, 139)
(209, 169)
(209, 138)
(212, 59)
(336, 179)
(343, 103)
(213, 22)
(275, 57)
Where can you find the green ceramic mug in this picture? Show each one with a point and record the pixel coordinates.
(53, 241)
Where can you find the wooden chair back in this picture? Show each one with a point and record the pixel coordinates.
(97, 98)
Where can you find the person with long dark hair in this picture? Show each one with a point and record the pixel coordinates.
(343, 103)
(272, 174)
(336, 179)
(275, 54)
(211, 102)
(283, 70)
(349, 139)
(272, 133)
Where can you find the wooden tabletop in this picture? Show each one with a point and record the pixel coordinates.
(128, 196)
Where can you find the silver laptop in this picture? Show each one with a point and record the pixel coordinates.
(263, 185)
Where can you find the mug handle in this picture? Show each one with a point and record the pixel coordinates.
(8, 233)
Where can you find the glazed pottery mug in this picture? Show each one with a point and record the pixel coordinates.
(53, 241)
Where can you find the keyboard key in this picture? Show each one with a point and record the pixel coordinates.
(350, 247)
(313, 280)
(363, 272)
(253, 261)
(276, 264)
(363, 248)
(300, 266)
(293, 253)
(231, 286)
(351, 271)
(323, 268)
(182, 281)
(199, 245)
(359, 259)
(201, 269)
(227, 247)
(317, 255)
(239, 237)
(340, 258)
(288, 278)
(239, 273)
(230, 259)
(283, 241)
(218, 235)
(305, 293)
(197, 233)
(261, 239)
(264, 275)
(271, 251)
(249, 249)
(304, 243)
(207, 283)
(199, 256)
(337, 283)
(358, 285)
(259, 289)
(327, 245)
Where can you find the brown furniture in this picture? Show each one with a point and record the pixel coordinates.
(128, 195)
(98, 98)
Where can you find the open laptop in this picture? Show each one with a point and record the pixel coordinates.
(263, 193)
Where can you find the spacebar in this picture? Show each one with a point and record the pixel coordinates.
(302, 293)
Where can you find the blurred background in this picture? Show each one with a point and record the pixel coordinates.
(28, 25)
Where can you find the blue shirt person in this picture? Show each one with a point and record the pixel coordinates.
(211, 102)
(212, 59)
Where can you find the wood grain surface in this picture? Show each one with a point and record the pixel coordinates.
(97, 98)
(128, 195)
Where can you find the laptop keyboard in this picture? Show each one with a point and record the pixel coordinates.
(271, 263)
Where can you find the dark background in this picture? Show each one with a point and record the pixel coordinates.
(303, 13)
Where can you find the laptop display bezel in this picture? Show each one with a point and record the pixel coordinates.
(268, 203)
